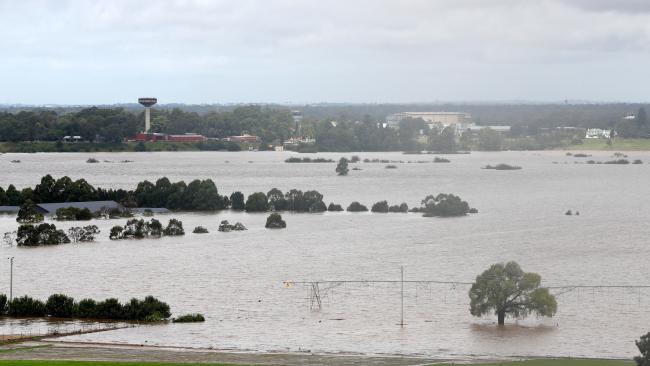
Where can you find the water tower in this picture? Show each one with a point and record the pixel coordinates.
(147, 103)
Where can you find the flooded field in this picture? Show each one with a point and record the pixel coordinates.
(237, 279)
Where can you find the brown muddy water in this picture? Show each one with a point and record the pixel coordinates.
(236, 279)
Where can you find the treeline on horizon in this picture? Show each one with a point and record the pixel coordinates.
(586, 115)
(357, 127)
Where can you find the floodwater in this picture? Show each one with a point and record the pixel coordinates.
(236, 279)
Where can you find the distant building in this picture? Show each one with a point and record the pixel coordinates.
(188, 137)
(460, 121)
(598, 133)
(243, 138)
(72, 139)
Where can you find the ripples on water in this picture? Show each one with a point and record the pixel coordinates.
(236, 279)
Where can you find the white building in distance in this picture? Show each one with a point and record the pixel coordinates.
(461, 121)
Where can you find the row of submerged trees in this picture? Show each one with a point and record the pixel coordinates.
(198, 195)
(62, 306)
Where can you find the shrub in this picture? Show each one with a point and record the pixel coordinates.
(356, 207)
(154, 227)
(86, 308)
(189, 318)
(355, 159)
(637, 161)
(43, 234)
(257, 202)
(381, 206)
(83, 234)
(200, 230)
(391, 166)
(403, 207)
(109, 309)
(617, 161)
(334, 207)
(441, 160)
(73, 214)
(444, 205)
(502, 167)
(26, 307)
(226, 227)
(60, 306)
(174, 228)
(274, 221)
(149, 309)
(116, 232)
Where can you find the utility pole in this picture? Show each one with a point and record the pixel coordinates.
(11, 278)
(401, 322)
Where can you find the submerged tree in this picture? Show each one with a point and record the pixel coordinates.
(27, 214)
(342, 167)
(508, 290)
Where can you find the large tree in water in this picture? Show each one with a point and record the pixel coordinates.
(507, 290)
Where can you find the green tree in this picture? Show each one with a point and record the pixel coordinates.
(444, 205)
(643, 345)
(508, 290)
(257, 202)
(60, 306)
(277, 202)
(237, 201)
(174, 228)
(342, 167)
(43, 234)
(28, 214)
(274, 221)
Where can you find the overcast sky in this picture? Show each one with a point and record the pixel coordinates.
(94, 52)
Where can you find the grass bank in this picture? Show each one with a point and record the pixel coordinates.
(618, 144)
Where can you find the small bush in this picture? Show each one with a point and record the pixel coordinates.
(502, 167)
(617, 161)
(403, 208)
(356, 207)
(174, 228)
(441, 160)
(391, 166)
(200, 230)
(274, 221)
(637, 161)
(189, 318)
(334, 207)
(226, 227)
